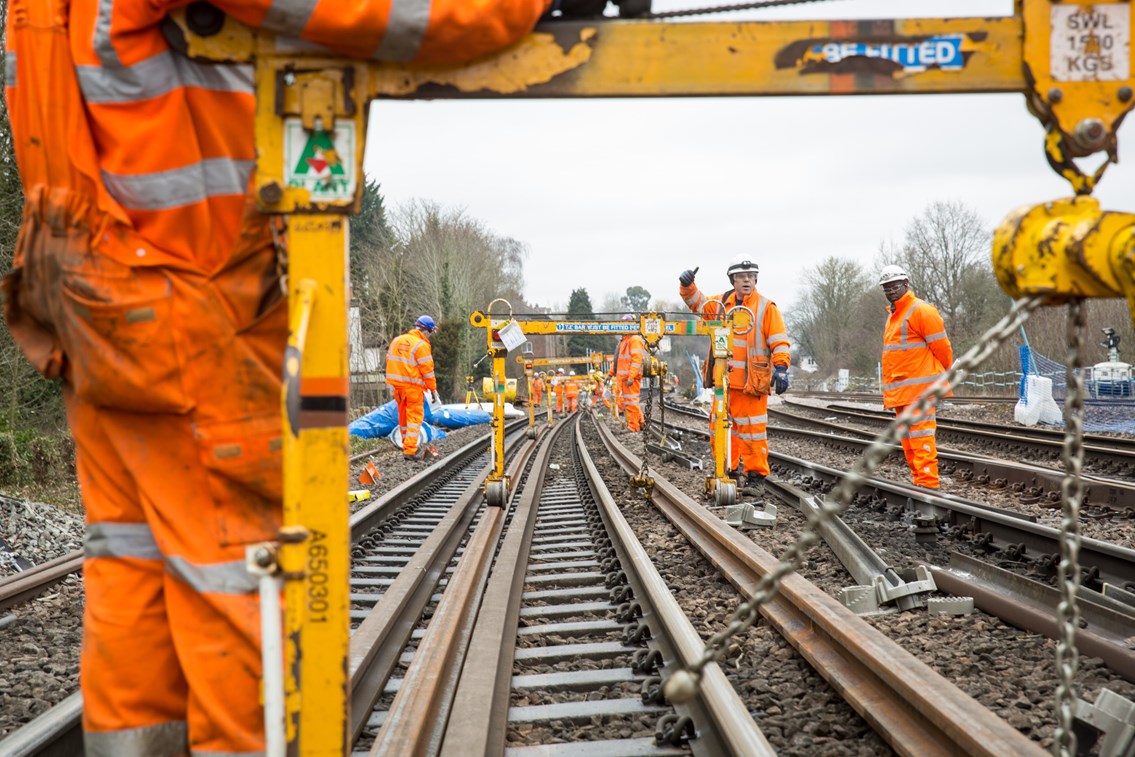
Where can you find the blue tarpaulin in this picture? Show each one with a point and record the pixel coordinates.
(383, 420)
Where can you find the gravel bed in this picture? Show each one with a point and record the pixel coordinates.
(1009, 671)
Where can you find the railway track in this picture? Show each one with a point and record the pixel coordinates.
(483, 630)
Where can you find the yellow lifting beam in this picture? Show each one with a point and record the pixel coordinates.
(596, 359)
(652, 326)
(1070, 59)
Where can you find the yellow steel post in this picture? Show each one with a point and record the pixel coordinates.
(531, 408)
(551, 405)
(315, 552)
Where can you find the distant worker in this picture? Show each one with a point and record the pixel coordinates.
(559, 389)
(916, 351)
(627, 371)
(145, 278)
(410, 370)
(572, 393)
(537, 389)
(759, 363)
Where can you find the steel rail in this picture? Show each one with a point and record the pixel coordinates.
(23, 586)
(724, 725)
(58, 732)
(917, 711)
(1101, 491)
(1105, 631)
(415, 722)
(1112, 451)
(478, 722)
(1114, 563)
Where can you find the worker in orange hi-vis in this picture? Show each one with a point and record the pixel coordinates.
(571, 392)
(759, 363)
(537, 389)
(410, 370)
(559, 389)
(916, 352)
(627, 371)
(145, 279)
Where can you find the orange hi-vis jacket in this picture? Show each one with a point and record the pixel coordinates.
(410, 362)
(161, 147)
(916, 350)
(773, 337)
(628, 359)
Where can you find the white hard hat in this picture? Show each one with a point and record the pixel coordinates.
(628, 317)
(561, 370)
(740, 263)
(892, 273)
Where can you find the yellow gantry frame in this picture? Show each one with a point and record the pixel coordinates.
(596, 359)
(1020, 53)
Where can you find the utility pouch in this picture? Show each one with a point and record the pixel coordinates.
(759, 380)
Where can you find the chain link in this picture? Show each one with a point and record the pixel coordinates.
(747, 613)
(727, 8)
(646, 416)
(1072, 492)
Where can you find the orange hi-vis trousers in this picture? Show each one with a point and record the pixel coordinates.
(630, 403)
(749, 434)
(177, 478)
(920, 446)
(411, 412)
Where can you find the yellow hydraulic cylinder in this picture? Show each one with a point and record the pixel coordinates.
(1066, 249)
(315, 545)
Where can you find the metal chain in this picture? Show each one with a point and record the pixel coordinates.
(646, 416)
(746, 614)
(727, 8)
(1072, 492)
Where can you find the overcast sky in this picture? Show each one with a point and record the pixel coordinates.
(609, 194)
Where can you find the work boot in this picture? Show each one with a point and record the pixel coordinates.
(420, 454)
(752, 484)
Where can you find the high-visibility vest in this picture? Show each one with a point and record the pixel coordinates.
(916, 350)
(158, 149)
(410, 361)
(629, 357)
(769, 338)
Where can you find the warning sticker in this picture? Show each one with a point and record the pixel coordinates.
(1091, 42)
(321, 162)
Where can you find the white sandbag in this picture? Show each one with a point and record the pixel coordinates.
(1037, 406)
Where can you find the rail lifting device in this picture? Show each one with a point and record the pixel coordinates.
(652, 326)
(595, 359)
(1071, 60)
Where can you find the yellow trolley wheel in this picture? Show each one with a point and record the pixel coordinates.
(531, 434)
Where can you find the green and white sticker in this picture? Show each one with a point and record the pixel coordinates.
(322, 162)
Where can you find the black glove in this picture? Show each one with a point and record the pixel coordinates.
(687, 277)
(780, 379)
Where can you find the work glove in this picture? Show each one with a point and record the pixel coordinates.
(687, 276)
(437, 397)
(780, 379)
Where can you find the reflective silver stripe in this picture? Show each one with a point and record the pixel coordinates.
(693, 298)
(398, 359)
(120, 540)
(741, 341)
(903, 347)
(100, 41)
(936, 337)
(218, 578)
(752, 420)
(9, 68)
(912, 382)
(162, 740)
(778, 338)
(755, 437)
(405, 30)
(289, 16)
(178, 187)
(428, 375)
(737, 364)
(759, 345)
(160, 75)
(393, 379)
(782, 349)
(920, 433)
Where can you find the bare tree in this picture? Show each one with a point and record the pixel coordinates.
(828, 322)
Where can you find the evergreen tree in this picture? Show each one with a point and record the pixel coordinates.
(580, 309)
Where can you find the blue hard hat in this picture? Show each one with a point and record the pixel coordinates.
(427, 323)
